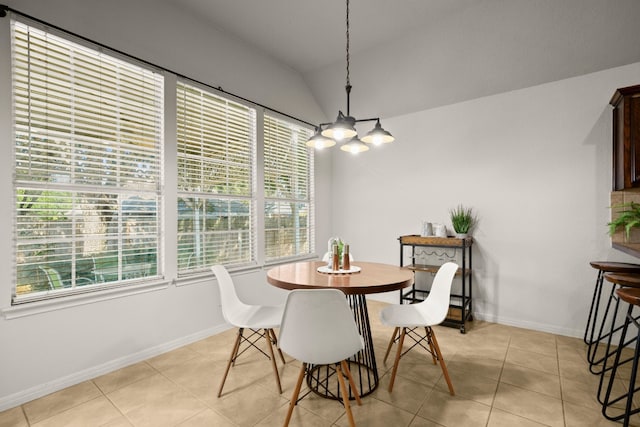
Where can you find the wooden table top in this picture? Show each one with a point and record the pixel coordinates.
(372, 278)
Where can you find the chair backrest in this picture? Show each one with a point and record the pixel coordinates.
(53, 277)
(318, 327)
(228, 296)
(436, 305)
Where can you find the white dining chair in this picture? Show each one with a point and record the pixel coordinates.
(259, 319)
(407, 318)
(318, 329)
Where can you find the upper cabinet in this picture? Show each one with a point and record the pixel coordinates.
(626, 138)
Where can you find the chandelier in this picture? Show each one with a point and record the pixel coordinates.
(343, 130)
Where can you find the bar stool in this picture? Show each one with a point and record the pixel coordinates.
(625, 282)
(632, 297)
(603, 267)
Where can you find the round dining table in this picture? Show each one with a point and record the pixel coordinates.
(363, 278)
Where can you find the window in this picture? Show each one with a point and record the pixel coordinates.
(216, 200)
(88, 156)
(90, 184)
(288, 190)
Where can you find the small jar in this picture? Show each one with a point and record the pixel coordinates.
(335, 264)
(346, 262)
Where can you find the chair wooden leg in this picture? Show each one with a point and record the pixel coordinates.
(443, 365)
(347, 371)
(273, 359)
(275, 342)
(433, 351)
(345, 396)
(397, 361)
(237, 348)
(296, 392)
(232, 358)
(393, 337)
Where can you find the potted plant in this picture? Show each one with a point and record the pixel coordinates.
(462, 220)
(627, 219)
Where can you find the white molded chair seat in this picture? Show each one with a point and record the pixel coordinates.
(244, 316)
(318, 328)
(430, 312)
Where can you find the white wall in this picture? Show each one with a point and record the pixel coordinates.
(44, 352)
(536, 166)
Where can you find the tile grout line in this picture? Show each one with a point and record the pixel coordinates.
(564, 415)
(498, 383)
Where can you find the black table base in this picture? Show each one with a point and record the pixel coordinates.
(321, 379)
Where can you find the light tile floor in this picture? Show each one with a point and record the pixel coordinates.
(503, 377)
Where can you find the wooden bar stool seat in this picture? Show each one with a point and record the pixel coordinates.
(595, 331)
(616, 267)
(631, 296)
(625, 280)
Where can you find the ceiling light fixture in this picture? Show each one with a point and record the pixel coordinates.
(343, 129)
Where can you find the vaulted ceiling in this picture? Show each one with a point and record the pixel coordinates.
(411, 55)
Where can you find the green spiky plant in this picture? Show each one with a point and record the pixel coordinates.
(462, 219)
(629, 218)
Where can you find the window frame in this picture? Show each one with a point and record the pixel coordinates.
(167, 255)
(94, 55)
(309, 200)
(249, 197)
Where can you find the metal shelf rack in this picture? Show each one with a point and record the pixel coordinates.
(460, 308)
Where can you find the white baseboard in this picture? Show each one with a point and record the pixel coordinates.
(40, 390)
(518, 323)
(392, 298)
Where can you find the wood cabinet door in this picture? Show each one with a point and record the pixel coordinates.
(626, 138)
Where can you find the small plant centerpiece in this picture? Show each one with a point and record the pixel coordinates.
(628, 218)
(462, 220)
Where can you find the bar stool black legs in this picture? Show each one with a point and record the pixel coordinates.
(624, 281)
(594, 343)
(594, 322)
(593, 310)
(632, 297)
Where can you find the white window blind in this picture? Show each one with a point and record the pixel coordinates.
(288, 190)
(88, 153)
(216, 180)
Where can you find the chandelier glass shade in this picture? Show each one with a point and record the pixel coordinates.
(343, 130)
(354, 146)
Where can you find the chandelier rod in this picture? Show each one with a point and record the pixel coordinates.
(348, 85)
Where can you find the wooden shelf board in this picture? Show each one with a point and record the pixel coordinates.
(629, 248)
(414, 239)
(431, 269)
